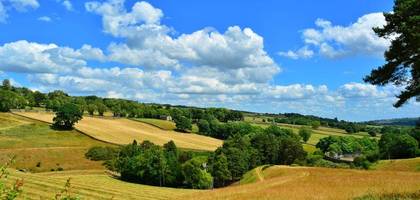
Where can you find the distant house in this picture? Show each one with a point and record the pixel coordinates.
(166, 117)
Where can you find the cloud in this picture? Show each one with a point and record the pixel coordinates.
(30, 57)
(18, 5)
(361, 90)
(303, 52)
(44, 19)
(150, 44)
(24, 5)
(335, 41)
(67, 4)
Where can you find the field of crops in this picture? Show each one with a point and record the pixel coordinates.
(124, 131)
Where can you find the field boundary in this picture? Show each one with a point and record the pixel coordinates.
(133, 119)
(75, 129)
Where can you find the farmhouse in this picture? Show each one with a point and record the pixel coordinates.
(166, 117)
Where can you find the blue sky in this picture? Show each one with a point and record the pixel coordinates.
(266, 56)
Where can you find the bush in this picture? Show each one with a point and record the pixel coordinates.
(362, 162)
(101, 153)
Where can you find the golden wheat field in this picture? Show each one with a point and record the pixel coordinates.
(276, 182)
(124, 131)
(282, 182)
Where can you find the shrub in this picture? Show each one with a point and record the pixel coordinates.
(101, 153)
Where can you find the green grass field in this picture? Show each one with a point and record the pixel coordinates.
(35, 143)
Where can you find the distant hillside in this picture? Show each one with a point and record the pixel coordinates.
(397, 122)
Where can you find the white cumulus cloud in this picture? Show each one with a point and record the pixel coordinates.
(334, 41)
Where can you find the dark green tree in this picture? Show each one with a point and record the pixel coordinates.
(101, 108)
(173, 173)
(10, 100)
(220, 170)
(66, 116)
(290, 150)
(394, 145)
(91, 109)
(195, 174)
(6, 84)
(203, 127)
(183, 123)
(402, 65)
(305, 133)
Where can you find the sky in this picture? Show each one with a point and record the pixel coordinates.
(272, 56)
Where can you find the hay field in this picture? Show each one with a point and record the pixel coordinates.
(90, 185)
(124, 131)
(282, 182)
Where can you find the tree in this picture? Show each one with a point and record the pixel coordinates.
(39, 98)
(290, 150)
(10, 100)
(195, 175)
(315, 124)
(203, 127)
(305, 134)
(101, 108)
(173, 173)
(6, 84)
(394, 145)
(183, 123)
(91, 109)
(220, 170)
(373, 132)
(402, 65)
(66, 116)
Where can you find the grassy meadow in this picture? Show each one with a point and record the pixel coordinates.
(39, 148)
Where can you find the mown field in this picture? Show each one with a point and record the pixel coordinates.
(124, 131)
(37, 147)
(275, 182)
(90, 185)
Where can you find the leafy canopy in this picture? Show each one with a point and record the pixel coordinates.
(402, 65)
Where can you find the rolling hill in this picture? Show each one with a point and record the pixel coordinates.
(124, 131)
(276, 182)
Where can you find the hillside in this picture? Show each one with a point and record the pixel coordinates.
(85, 185)
(276, 182)
(409, 165)
(395, 122)
(124, 131)
(282, 182)
(37, 147)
